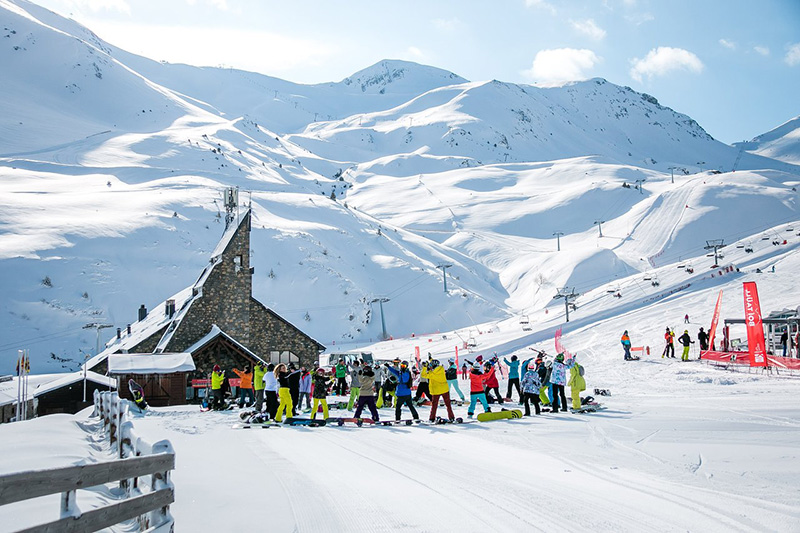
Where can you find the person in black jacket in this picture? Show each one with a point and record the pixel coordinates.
(702, 336)
(686, 340)
(294, 387)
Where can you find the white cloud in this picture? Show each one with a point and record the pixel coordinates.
(639, 18)
(588, 27)
(103, 5)
(541, 4)
(663, 60)
(728, 44)
(551, 67)
(763, 50)
(793, 55)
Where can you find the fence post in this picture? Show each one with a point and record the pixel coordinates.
(68, 504)
(160, 480)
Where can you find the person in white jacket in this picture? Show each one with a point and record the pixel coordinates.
(271, 391)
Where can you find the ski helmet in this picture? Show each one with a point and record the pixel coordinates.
(404, 364)
(560, 357)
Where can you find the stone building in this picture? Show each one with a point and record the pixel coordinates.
(217, 320)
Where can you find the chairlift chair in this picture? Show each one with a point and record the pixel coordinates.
(472, 343)
(524, 319)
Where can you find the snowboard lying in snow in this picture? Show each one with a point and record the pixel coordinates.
(264, 425)
(316, 422)
(357, 421)
(499, 415)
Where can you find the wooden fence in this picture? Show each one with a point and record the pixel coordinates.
(141, 469)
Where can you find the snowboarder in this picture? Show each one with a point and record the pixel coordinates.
(513, 376)
(355, 391)
(305, 388)
(422, 388)
(476, 391)
(576, 383)
(686, 340)
(283, 375)
(404, 379)
(341, 382)
(258, 384)
(321, 383)
(438, 386)
(217, 378)
(294, 387)
(452, 377)
(558, 378)
(491, 383)
(531, 383)
(138, 394)
(626, 345)
(686, 318)
(366, 379)
(669, 348)
(702, 336)
(544, 379)
(271, 390)
(245, 386)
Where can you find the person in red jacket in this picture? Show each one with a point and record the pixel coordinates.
(476, 382)
(492, 384)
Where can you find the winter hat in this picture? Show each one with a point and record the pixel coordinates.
(476, 366)
(479, 358)
(686, 331)
(532, 366)
(216, 368)
(513, 357)
(451, 360)
(320, 370)
(560, 357)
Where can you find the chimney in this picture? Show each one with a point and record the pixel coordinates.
(142, 313)
(170, 308)
(129, 329)
(119, 333)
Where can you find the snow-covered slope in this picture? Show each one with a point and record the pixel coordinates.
(781, 143)
(112, 167)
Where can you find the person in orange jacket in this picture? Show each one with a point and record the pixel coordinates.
(476, 391)
(246, 396)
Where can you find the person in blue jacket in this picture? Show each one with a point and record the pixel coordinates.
(403, 390)
(513, 376)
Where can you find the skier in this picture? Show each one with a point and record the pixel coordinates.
(476, 391)
(404, 378)
(355, 388)
(452, 377)
(491, 383)
(305, 388)
(686, 340)
(422, 388)
(286, 405)
(669, 339)
(271, 391)
(245, 386)
(464, 370)
(702, 336)
(576, 383)
(138, 394)
(366, 379)
(437, 380)
(217, 377)
(258, 384)
(321, 383)
(686, 318)
(531, 383)
(341, 383)
(626, 345)
(558, 378)
(513, 376)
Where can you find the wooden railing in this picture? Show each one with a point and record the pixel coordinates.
(146, 502)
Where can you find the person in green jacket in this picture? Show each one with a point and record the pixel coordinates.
(355, 385)
(217, 379)
(340, 389)
(258, 384)
(576, 383)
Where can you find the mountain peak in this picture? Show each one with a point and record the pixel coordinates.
(397, 76)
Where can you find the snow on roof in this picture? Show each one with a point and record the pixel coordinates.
(214, 333)
(148, 363)
(39, 384)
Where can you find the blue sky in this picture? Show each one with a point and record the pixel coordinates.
(732, 65)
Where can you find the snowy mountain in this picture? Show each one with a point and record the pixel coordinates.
(782, 143)
(112, 167)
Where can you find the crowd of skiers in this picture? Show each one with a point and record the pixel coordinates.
(280, 389)
(669, 343)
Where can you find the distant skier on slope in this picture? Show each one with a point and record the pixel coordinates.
(686, 340)
(669, 347)
(626, 345)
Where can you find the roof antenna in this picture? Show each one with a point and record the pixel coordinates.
(231, 205)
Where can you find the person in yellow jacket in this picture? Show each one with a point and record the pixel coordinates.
(217, 379)
(576, 383)
(282, 374)
(258, 383)
(245, 386)
(438, 387)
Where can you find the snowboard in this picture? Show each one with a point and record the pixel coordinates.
(439, 421)
(407, 422)
(248, 426)
(317, 422)
(602, 392)
(498, 415)
(441, 403)
(589, 408)
(357, 421)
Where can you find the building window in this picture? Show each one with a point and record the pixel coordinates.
(283, 357)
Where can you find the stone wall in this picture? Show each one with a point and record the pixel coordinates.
(271, 333)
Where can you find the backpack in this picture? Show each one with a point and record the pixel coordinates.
(580, 369)
(451, 373)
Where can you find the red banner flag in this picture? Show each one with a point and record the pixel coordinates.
(457, 357)
(755, 330)
(416, 355)
(714, 322)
